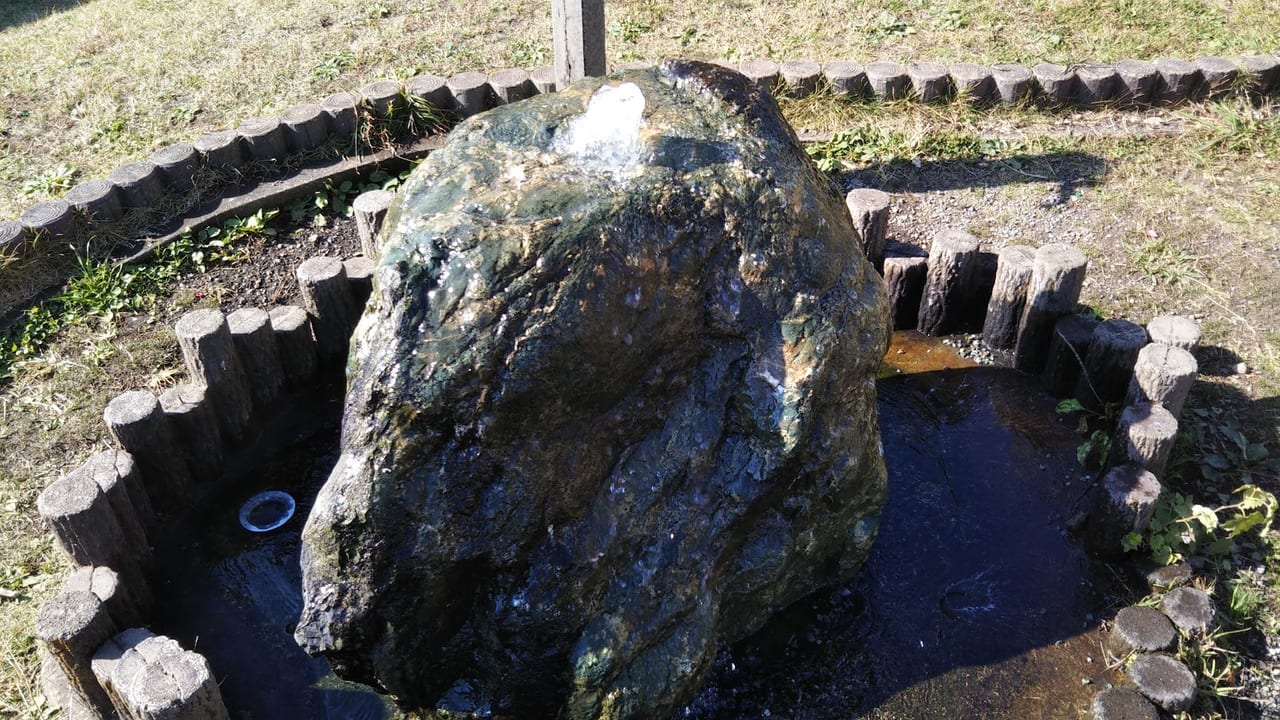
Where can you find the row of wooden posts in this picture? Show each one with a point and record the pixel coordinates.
(98, 660)
(106, 513)
(1023, 301)
(110, 511)
(141, 186)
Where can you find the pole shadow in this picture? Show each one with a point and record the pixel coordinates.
(13, 14)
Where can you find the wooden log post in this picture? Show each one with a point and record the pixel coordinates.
(510, 85)
(764, 73)
(306, 127)
(141, 184)
(264, 139)
(470, 91)
(51, 221)
(1014, 83)
(359, 271)
(1164, 680)
(1140, 629)
(139, 425)
(343, 110)
(1261, 74)
(1125, 504)
(370, 210)
(544, 79)
(1057, 83)
(1008, 296)
(1108, 367)
(70, 628)
(888, 80)
(210, 357)
(431, 90)
(1178, 80)
(117, 476)
(196, 429)
(220, 149)
(382, 98)
(1217, 76)
(57, 689)
(930, 81)
(1137, 81)
(1122, 703)
(255, 345)
(1057, 277)
(1144, 436)
(1095, 84)
(1176, 330)
(800, 77)
(178, 163)
(1072, 335)
(846, 78)
(973, 82)
(86, 524)
(326, 295)
(577, 39)
(951, 265)
(13, 239)
(124, 606)
(98, 200)
(151, 677)
(869, 209)
(297, 347)
(905, 269)
(1163, 374)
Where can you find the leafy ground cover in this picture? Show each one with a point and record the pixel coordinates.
(1178, 211)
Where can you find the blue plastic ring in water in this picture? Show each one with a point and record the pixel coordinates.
(256, 503)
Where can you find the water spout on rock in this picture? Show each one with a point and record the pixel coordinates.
(606, 138)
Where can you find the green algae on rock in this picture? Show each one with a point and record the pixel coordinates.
(611, 405)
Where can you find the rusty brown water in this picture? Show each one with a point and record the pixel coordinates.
(975, 603)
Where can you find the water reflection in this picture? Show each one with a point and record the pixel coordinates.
(975, 602)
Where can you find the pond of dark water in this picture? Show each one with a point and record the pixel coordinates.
(975, 603)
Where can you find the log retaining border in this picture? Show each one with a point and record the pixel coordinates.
(141, 185)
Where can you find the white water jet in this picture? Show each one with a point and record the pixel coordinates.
(606, 138)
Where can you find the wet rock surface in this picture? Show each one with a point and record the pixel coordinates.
(612, 405)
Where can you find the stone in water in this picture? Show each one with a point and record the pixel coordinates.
(611, 405)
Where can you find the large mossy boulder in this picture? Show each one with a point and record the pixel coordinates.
(611, 405)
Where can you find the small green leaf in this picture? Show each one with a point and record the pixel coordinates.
(1234, 436)
(1131, 542)
(1069, 405)
(1206, 516)
(1220, 547)
(1242, 524)
(1216, 461)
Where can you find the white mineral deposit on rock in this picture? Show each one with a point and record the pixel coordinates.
(606, 138)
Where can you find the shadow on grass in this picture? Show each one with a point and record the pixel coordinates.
(21, 12)
(1067, 172)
